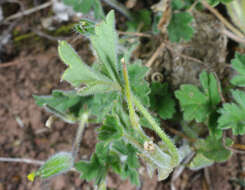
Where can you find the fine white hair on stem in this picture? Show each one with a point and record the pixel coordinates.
(22, 160)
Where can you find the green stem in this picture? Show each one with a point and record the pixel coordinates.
(159, 131)
(101, 186)
(82, 125)
(132, 115)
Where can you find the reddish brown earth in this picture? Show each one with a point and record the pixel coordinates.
(39, 74)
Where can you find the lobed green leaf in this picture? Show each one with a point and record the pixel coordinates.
(193, 103)
(105, 44)
(179, 27)
(232, 115)
(196, 104)
(200, 162)
(213, 148)
(111, 129)
(238, 63)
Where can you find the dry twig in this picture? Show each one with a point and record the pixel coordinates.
(178, 133)
(155, 55)
(193, 6)
(182, 55)
(233, 36)
(22, 160)
(222, 19)
(234, 147)
(208, 179)
(42, 34)
(14, 62)
(138, 34)
(28, 11)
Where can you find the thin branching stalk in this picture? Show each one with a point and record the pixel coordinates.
(172, 148)
(22, 160)
(78, 139)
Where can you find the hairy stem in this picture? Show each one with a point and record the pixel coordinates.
(78, 139)
(101, 186)
(159, 131)
(132, 115)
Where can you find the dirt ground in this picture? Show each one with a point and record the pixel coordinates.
(31, 66)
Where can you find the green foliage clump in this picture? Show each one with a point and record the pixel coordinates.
(111, 92)
(115, 94)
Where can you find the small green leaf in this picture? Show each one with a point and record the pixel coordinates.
(177, 4)
(238, 63)
(130, 162)
(162, 101)
(97, 168)
(179, 27)
(92, 169)
(111, 129)
(129, 151)
(79, 73)
(193, 103)
(59, 100)
(102, 151)
(98, 10)
(213, 2)
(199, 162)
(66, 105)
(105, 44)
(142, 18)
(226, 1)
(132, 174)
(210, 87)
(85, 27)
(196, 104)
(232, 115)
(213, 125)
(213, 148)
(56, 165)
(115, 162)
(216, 2)
(102, 104)
(180, 5)
(83, 6)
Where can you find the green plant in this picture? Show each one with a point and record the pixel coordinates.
(113, 92)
